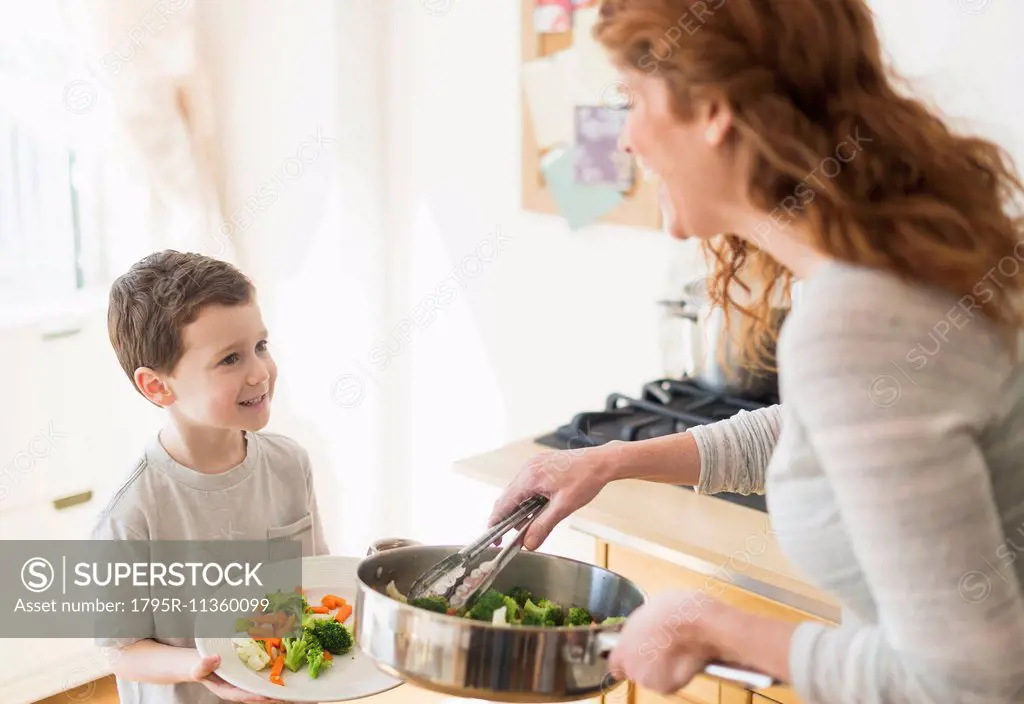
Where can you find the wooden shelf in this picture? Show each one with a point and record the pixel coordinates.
(640, 207)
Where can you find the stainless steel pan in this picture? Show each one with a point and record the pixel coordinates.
(473, 659)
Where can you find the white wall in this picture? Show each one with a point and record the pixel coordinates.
(966, 57)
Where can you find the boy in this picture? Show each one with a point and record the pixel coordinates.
(188, 333)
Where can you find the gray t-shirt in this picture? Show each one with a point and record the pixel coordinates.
(268, 496)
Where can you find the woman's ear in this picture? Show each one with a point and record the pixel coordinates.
(717, 117)
(153, 387)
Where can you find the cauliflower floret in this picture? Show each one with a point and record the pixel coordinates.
(392, 591)
(251, 653)
(498, 619)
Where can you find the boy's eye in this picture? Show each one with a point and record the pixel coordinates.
(261, 346)
(230, 359)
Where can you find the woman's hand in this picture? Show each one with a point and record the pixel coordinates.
(569, 478)
(667, 641)
(204, 674)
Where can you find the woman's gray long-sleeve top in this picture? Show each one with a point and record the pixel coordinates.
(894, 476)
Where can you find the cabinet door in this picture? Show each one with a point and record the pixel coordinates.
(684, 696)
(731, 694)
(761, 699)
(780, 694)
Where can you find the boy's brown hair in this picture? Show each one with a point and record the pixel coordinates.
(158, 296)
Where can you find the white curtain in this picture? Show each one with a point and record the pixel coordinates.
(143, 107)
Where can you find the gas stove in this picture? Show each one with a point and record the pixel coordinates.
(663, 407)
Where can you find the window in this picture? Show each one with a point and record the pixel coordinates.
(40, 223)
(40, 236)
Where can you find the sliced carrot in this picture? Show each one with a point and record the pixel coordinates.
(327, 655)
(275, 671)
(332, 602)
(319, 609)
(270, 642)
(343, 613)
(452, 611)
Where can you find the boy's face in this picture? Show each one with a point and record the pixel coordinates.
(225, 378)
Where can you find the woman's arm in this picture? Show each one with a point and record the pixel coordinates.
(730, 455)
(734, 453)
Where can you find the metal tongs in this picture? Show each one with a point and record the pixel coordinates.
(447, 578)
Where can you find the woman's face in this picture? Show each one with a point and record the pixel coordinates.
(700, 184)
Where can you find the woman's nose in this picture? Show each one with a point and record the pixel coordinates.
(624, 142)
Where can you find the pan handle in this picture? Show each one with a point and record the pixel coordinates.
(605, 642)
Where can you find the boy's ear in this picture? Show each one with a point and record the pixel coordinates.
(153, 387)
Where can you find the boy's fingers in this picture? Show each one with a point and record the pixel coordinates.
(206, 666)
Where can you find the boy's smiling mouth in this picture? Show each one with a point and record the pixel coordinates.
(253, 402)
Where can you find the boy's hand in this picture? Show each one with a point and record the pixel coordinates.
(203, 673)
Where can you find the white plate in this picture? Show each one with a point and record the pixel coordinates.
(350, 676)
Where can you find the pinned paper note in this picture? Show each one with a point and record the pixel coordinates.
(597, 159)
(600, 82)
(549, 98)
(579, 204)
(552, 16)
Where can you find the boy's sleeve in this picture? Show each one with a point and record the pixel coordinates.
(320, 546)
(108, 527)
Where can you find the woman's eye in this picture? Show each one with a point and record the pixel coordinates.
(230, 359)
(261, 346)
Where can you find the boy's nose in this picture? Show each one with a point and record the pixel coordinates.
(259, 374)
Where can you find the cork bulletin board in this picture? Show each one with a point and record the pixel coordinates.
(639, 206)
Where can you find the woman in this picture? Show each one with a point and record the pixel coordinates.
(893, 468)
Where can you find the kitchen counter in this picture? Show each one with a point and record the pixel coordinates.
(726, 541)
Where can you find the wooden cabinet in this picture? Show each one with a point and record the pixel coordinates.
(761, 699)
(732, 694)
(685, 696)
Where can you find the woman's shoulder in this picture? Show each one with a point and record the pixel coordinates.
(873, 309)
(869, 324)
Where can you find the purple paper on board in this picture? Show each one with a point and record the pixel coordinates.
(598, 161)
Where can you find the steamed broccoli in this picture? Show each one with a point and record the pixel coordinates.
(486, 605)
(294, 652)
(613, 620)
(315, 658)
(520, 595)
(431, 603)
(513, 612)
(331, 636)
(537, 615)
(555, 612)
(579, 617)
